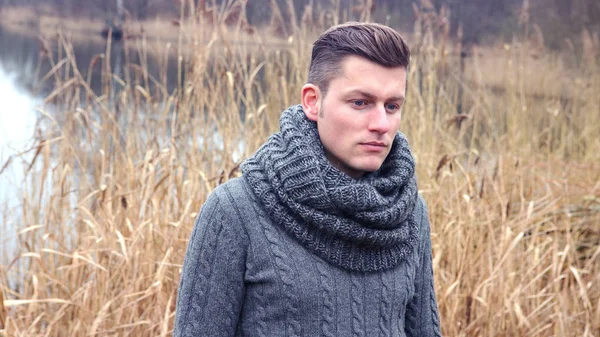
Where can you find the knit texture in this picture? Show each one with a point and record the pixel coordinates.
(362, 224)
(244, 275)
(294, 247)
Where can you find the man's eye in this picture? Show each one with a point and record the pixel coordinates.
(393, 107)
(359, 103)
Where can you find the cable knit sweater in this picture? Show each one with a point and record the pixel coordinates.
(297, 248)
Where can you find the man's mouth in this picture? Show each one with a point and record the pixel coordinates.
(381, 144)
(374, 146)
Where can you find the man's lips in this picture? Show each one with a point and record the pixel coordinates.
(381, 144)
(374, 146)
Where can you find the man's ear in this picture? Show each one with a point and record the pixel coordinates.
(311, 98)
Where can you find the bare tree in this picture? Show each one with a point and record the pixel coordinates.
(120, 12)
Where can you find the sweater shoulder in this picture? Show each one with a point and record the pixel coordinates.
(230, 193)
(234, 199)
(222, 206)
(233, 194)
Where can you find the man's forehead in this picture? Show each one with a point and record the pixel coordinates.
(352, 62)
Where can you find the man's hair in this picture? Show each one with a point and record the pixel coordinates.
(372, 41)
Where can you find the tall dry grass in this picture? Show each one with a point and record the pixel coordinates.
(116, 178)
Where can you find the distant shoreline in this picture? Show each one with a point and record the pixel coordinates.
(24, 21)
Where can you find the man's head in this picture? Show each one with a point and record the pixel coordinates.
(355, 91)
(377, 43)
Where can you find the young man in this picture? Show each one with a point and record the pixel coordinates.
(324, 234)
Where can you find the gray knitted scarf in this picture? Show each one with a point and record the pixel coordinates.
(365, 224)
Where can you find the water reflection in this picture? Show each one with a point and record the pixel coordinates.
(23, 61)
(19, 51)
(17, 123)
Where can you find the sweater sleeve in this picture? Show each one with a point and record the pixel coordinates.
(422, 317)
(211, 289)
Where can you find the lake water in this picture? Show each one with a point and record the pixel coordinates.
(21, 67)
(20, 99)
(17, 123)
(21, 95)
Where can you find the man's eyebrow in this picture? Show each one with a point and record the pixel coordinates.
(360, 93)
(397, 98)
(371, 96)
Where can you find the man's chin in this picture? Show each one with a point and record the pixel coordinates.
(370, 168)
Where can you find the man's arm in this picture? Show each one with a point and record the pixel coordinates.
(211, 289)
(422, 317)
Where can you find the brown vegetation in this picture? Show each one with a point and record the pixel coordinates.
(512, 182)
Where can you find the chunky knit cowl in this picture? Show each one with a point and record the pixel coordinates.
(364, 224)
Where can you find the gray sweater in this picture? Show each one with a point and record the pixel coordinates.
(297, 248)
(245, 276)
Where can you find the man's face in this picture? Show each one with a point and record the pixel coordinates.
(358, 118)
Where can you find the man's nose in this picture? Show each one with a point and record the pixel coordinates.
(379, 120)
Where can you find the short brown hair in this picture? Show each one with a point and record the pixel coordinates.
(375, 42)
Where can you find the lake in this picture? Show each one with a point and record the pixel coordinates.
(17, 122)
(22, 65)
(23, 62)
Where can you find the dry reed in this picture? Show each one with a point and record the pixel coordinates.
(116, 179)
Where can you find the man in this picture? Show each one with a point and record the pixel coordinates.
(324, 234)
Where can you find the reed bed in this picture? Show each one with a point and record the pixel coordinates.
(116, 177)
